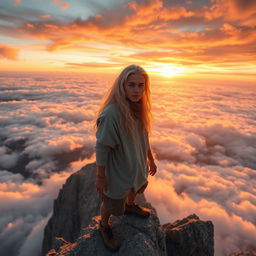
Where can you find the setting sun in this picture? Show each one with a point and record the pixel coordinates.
(187, 39)
(74, 96)
(167, 70)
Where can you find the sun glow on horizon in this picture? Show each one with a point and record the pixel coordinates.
(167, 70)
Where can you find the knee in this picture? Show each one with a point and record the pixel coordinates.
(118, 211)
(112, 206)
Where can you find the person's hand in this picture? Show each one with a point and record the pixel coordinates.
(152, 168)
(101, 184)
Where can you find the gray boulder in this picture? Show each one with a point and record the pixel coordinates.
(74, 208)
(136, 237)
(189, 237)
(72, 229)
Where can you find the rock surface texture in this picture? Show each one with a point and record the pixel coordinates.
(72, 229)
(136, 237)
(74, 208)
(243, 253)
(190, 236)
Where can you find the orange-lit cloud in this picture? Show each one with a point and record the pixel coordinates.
(63, 5)
(203, 139)
(17, 1)
(221, 34)
(94, 65)
(8, 52)
(45, 16)
(16, 199)
(174, 206)
(175, 13)
(136, 28)
(231, 9)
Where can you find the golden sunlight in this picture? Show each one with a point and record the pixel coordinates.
(167, 70)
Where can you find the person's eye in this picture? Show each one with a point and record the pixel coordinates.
(141, 85)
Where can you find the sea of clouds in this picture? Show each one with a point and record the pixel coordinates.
(204, 140)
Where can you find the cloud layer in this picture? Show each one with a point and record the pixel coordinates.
(8, 52)
(188, 34)
(204, 141)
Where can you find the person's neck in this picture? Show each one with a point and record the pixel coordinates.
(136, 108)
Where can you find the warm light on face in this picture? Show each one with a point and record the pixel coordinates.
(134, 87)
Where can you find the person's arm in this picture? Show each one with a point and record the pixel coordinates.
(150, 156)
(102, 152)
(101, 182)
(151, 162)
(107, 139)
(100, 171)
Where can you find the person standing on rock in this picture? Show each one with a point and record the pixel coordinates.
(123, 154)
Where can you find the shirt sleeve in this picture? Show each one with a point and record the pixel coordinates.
(101, 154)
(107, 138)
(107, 131)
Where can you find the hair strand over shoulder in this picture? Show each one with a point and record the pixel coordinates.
(116, 95)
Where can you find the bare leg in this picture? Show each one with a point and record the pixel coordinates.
(131, 197)
(107, 237)
(104, 215)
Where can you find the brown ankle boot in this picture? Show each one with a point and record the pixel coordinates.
(137, 210)
(108, 239)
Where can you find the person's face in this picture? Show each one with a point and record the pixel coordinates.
(134, 87)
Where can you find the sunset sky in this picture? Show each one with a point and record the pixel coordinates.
(168, 38)
(55, 56)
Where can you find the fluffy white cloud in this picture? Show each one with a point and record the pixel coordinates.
(33, 242)
(25, 208)
(204, 138)
(210, 199)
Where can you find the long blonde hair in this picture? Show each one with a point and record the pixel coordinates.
(116, 94)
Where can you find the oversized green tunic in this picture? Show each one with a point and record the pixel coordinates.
(124, 156)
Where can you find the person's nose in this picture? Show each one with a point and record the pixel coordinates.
(137, 89)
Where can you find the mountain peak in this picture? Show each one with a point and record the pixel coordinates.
(73, 227)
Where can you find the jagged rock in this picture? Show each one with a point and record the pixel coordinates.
(189, 237)
(76, 204)
(75, 215)
(136, 237)
(243, 253)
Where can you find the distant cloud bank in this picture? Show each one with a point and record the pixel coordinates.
(204, 139)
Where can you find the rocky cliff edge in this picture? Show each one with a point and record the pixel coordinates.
(72, 229)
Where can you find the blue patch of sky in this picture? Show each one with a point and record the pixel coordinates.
(201, 2)
(15, 15)
(5, 22)
(187, 3)
(16, 42)
(193, 28)
(77, 8)
(187, 28)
